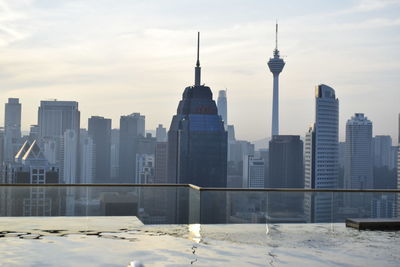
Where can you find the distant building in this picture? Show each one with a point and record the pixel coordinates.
(114, 153)
(358, 163)
(286, 162)
(144, 169)
(31, 167)
(161, 163)
(222, 106)
(99, 129)
(253, 172)
(12, 128)
(69, 157)
(161, 133)
(321, 152)
(382, 149)
(59, 122)
(87, 157)
(131, 128)
(197, 140)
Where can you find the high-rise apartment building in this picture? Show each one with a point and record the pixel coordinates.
(321, 151)
(131, 128)
(358, 170)
(99, 129)
(222, 106)
(12, 128)
(197, 140)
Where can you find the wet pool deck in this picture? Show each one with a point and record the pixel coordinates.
(116, 241)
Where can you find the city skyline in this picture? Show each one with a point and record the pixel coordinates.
(134, 65)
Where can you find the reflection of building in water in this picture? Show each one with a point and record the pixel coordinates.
(31, 167)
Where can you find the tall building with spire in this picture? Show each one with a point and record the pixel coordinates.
(222, 106)
(197, 140)
(275, 65)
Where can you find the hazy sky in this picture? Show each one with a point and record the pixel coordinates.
(120, 57)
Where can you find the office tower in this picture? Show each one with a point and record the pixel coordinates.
(161, 133)
(381, 149)
(321, 151)
(87, 157)
(358, 171)
(231, 133)
(55, 117)
(161, 163)
(398, 168)
(197, 140)
(131, 127)
(59, 121)
(222, 106)
(276, 65)
(383, 206)
(12, 128)
(99, 129)
(69, 157)
(253, 172)
(286, 162)
(114, 153)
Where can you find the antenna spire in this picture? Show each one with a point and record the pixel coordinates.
(276, 35)
(198, 50)
(197, 69)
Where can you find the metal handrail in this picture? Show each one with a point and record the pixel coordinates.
(198, 188)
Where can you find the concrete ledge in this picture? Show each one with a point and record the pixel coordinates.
(383, 224)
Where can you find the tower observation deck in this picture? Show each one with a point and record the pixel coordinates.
(275, 65)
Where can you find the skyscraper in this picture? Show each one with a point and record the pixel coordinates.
(286, 162)
(161, 133)
(86, 158)
(114, 153)
(358, 170)
(222, 106)
(12, 128)
(253, 172)
(381, 150)
(99, 129)
(197, 140)
(55, 117)
(321, 153)
(131, 128)
(59, 122)
(276, 65)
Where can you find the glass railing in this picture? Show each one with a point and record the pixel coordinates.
(188, 204)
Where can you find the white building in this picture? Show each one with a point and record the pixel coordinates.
(321, 153)
(86, 158)
(253, 172)
(358, 171)
(69, 157)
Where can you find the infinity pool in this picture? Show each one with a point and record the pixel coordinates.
(117, 241)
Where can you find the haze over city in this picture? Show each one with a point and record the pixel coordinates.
(135, 56)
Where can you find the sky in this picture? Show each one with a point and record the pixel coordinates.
(120, 57)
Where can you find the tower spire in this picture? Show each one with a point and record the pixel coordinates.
(197, 69)
(276, 35)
